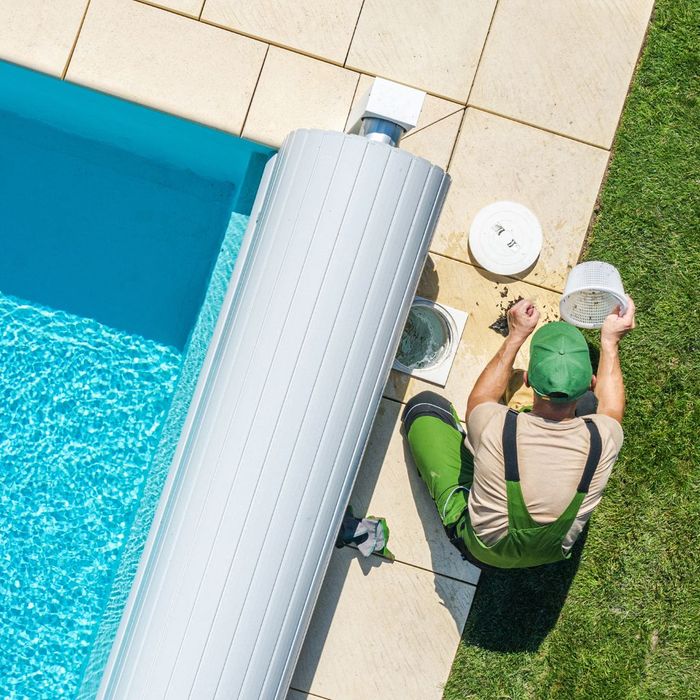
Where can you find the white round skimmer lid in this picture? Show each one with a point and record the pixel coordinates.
(505, 238)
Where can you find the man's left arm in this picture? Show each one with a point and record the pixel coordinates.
(493, 381)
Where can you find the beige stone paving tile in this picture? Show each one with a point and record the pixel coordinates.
(430, 44)
(388, 485)
(39, 33)
(435, 142)
(169, 62)
(382, 630)
(434, 108)
(557, 178)
(484, 297)
(316, 27)
(295, 92)
(192, 8)
(565, 66)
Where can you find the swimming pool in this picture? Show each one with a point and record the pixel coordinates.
(120, 228)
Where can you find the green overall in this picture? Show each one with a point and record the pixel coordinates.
(446, 467)
(527, 543)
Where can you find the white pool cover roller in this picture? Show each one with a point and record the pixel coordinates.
(303, 347)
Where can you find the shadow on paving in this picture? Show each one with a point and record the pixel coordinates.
(515, 610)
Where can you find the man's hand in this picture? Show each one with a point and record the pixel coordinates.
(617, 325)
(522, 319)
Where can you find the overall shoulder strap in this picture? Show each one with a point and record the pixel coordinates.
(518, 516)
(594, 452)
(510, 446)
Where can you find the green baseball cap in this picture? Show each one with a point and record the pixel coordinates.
(560, 365)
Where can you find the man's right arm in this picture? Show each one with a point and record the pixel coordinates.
(609, 387)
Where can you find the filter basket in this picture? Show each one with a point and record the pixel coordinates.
(593, 290)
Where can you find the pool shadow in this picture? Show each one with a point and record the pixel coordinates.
(515, 610)
(429, 283)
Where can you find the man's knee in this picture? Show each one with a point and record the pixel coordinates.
(428, 403)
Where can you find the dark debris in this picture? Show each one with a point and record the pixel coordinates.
(500, 325)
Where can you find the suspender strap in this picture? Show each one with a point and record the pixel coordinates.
(594, 453)
(510, 446)
(510, 451)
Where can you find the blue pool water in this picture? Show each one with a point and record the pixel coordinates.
(119, 228)
(123, 243)
(83, 407)
(110, 210)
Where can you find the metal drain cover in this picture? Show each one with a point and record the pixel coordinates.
(505, 238)
(426, 339)
(430, 340)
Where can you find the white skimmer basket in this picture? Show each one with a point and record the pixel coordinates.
(593, 290)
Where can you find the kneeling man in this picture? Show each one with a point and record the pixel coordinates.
(515, 489)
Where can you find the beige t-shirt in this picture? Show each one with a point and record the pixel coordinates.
(551, 457)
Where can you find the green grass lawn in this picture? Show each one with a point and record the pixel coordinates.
(622, 618)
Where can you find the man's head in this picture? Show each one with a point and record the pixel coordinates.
(560, 365)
